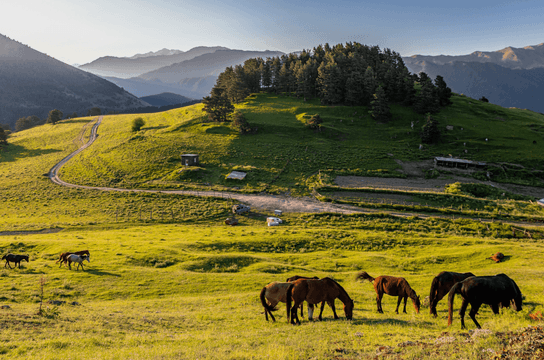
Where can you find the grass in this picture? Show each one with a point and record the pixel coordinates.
(172, 281)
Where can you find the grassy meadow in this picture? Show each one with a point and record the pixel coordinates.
(167, 279)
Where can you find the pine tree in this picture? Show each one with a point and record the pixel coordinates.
(427, 101)
(369, 85)
(266, 74)
(380, 107)
(444, 92)
(429, 131)
(217, 105)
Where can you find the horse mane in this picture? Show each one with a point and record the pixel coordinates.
(339, 286)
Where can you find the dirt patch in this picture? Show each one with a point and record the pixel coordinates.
(415, 168)
(376, 198)
(432, 185)
(30, 232)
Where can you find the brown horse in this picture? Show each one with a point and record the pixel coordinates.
(16, 259)
(276, 292)
(63, 258)
(498, 290)
(498, 257)
(442, 284)
(393, 286)
(315, 292)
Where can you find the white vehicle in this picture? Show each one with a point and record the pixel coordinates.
(240, 209)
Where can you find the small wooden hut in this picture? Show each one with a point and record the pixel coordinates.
(189, 159)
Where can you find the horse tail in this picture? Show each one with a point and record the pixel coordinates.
(288, 301)
(433, 294)
(263, 301)
(364, 275)
(451, 295)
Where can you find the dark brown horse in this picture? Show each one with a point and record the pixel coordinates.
(393, 286)
(315, 292)
(498, 290)
(14, 259)
(442, 284)
(276, 292)
(63, 258)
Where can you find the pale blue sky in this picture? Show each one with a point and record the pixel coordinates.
(76, 31)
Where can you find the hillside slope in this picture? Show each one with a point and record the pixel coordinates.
(32, 83)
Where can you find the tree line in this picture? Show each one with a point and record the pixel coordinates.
(346, 74)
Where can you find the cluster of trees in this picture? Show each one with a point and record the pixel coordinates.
(350, 74)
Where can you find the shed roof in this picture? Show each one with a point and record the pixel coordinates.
(460, 161)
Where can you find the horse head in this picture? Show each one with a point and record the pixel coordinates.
(348, 309)
(416, 300)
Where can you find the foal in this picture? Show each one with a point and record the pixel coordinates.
(78, 259)
(393, 286)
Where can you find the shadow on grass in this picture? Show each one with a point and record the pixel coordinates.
(15, 152)
(388, 321)
(101, 273)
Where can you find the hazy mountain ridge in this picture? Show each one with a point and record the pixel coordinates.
(33, 83)
(205, 65)
(511, 77)
(165, 99)
(124, 68)
(528, 57)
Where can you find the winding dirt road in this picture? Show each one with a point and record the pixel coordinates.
(260, 202)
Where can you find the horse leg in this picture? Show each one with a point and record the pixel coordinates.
(302, 309)
(473, 311)
(495, 308)
(398, 304)
(321, 312)
(310, 311)
(331, 304)
(405, 299)
(294, 315)
(462, 311)
(379, 302)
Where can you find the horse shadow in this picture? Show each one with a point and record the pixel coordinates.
(365, 321)
(101, 273)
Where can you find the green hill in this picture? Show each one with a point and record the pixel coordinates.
(284, 155)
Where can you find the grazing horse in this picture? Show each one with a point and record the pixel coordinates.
(497, 257)
(393, 286)
(315, 292)
(442, 284)
(14, 259)
(498, 290)
(73, 258)
(276, 292)
(63, 258)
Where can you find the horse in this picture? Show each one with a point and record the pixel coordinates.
(63, 257)
(498, 257)
(498, 290)
(276, 292)
(393, 286)
(318, 291)
(14, 259)
(73, 258)
(442, 284)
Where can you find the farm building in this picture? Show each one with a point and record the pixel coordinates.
(458, 163)
(189, 159)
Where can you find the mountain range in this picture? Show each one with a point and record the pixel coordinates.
(192, 73)
(33, 83)
(511, 77)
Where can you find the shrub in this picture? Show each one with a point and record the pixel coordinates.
(430, 132)
(239, 122)
(315, 122)
(137, 124)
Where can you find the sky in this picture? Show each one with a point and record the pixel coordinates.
(78, 32)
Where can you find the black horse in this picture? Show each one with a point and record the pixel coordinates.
(14, 259)
(495, 291)
(441, 286)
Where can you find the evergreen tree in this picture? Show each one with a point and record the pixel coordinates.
(266, 74)
(380, 107)
(369, 84)
(444, 92)
(240, 123)
(54, 116)
(283, 81)
(217, 105)
(429, 131)
(330, 83)
(3, 136)
(275, 72)
(427, 101)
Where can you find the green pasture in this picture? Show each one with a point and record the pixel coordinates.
(185, 291)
